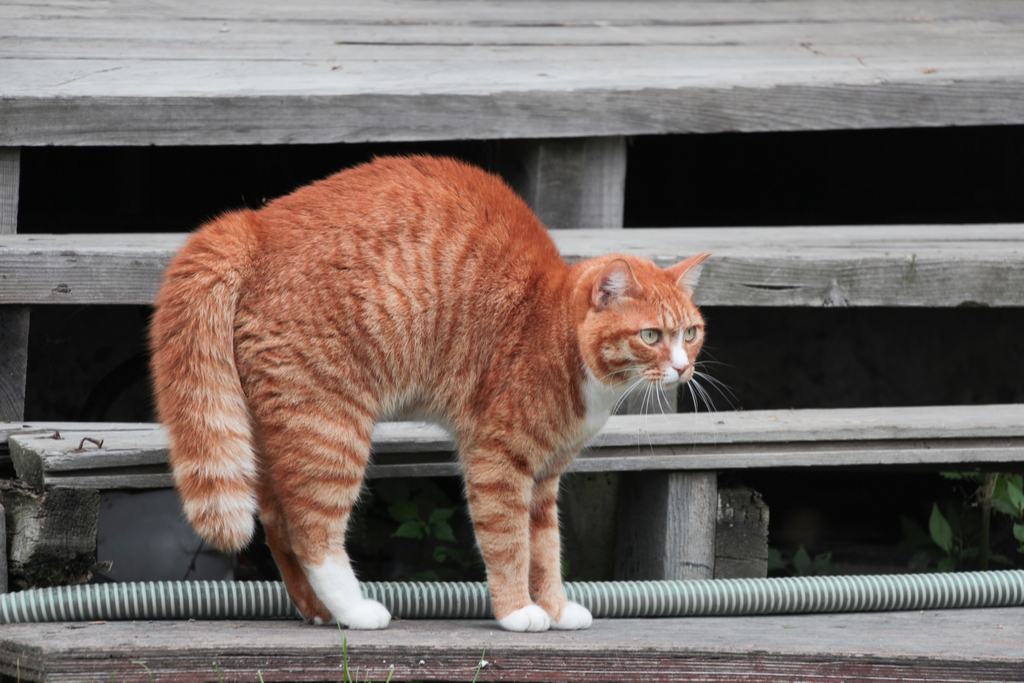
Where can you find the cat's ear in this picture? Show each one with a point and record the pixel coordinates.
(686, 273)
(615, 281)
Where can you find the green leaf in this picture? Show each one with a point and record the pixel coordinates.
(940, 531)
(441, 515)
(440, 554)
(1018, 532)
(404, 510)
(1005, 506)
(1016, 496)
(947, 564)
(410, 529)
(775, 560)
(802, 561)
(443, 532)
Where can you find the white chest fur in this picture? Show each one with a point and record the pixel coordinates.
(601, 399)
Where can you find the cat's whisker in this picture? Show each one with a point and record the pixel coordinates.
(721, 387)
(626, 393)
(703, 393)
(696, 391)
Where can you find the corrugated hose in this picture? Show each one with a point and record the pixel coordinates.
(614, 599)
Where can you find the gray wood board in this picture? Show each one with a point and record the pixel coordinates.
(135, 456)
(179, 73)
(954, 645)
(920, 265)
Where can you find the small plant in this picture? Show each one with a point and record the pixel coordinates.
(960, 533)
(801, 564)
(435, 530)
(143, 665)
(483, 662)
(346, 673)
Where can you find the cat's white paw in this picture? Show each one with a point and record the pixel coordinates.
(365, 615)
(574, 617)
(529, 618)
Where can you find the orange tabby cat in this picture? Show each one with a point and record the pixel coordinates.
(419, 286)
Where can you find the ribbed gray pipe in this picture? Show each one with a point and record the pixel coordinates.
(268, 600)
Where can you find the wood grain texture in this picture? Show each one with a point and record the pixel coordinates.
(14, 327)
(741, 535)
(10, 183)
(135, 456)
(3, 550)
(575, 182)
(222, 73)
(954, 645)
(52, 535)
(14, 320)
(666, 526)
(920, 265)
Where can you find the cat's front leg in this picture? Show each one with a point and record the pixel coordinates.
(546, 560)
(499, 495)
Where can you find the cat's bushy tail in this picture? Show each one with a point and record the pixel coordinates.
(198, 394)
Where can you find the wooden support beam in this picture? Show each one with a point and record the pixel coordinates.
(53, 534)
(741, 535)
(13, 319)
(574, 182)
(3, 550)
(667, 526)
(10, 176)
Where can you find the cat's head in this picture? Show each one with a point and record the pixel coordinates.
(642, 322)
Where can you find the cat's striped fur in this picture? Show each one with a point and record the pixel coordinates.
(407, 285)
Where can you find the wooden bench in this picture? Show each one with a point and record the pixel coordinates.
(561, 88)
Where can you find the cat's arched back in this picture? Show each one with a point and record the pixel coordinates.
(413, 285)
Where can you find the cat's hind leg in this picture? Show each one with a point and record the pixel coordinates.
(292, 573)
(316, 463)
(546, 560)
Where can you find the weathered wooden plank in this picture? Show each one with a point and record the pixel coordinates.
(3, 550)
(10, 183)
(14, 320)
(575, 182)
(206, 74)
(134, 456)
(926, 265)
(14, 326)
(304, 119)
(525, 13)
(954, 645)
(52, 534)
(741, 535)
(666, 526)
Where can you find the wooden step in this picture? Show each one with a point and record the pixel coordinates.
(951, 645)
(921, 265)
(205, 73)
(135, 455)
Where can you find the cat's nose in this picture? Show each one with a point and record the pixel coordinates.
(681, 369)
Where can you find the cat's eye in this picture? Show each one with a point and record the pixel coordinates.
(650, 336)
(690, 333)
